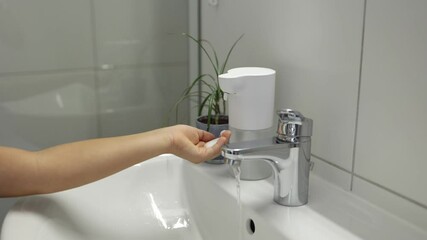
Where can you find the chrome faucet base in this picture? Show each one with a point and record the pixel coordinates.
(288, 154)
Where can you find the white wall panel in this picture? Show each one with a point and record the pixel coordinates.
(392, 127)
(314, 46)
(45, 35)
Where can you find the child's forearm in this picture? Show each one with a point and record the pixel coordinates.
(79, 163)
(74, 164)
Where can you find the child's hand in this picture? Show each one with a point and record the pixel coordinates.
(189, 143)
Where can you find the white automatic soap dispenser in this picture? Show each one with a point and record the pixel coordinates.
(249, 92)
(250, 95)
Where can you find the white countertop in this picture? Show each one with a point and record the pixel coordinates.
(332, 213)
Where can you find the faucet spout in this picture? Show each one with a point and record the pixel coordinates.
(283, 158)
(288, 154)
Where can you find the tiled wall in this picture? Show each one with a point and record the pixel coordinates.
(72, 70)
(358, 69)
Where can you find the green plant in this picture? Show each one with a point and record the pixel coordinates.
(212, 96)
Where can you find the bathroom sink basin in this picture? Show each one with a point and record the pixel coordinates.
(169, 198)
(163, 198)
(146, 201)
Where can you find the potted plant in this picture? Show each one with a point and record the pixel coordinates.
(212, 97)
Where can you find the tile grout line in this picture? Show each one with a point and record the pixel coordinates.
(96, 64)
(332, 164)
(353, 163)
(199, 53)
(47, 72)
(88, 69)
(372, 182)
(392, 191)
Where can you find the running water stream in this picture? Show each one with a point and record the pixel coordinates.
(235, 167)
(236, 171)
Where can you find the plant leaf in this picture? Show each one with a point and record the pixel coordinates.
(199, 43)
(229, 53)
(209, 113)
(213, 51)
(202, 105)
(188, 89)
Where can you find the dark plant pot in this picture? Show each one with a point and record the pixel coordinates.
(215, 129)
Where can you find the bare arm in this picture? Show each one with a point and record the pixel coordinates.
(75, 164)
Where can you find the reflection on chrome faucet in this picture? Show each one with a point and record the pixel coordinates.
(288, 153)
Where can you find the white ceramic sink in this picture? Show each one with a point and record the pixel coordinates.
(169, 198)
(146, 201)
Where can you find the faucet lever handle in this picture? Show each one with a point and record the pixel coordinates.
(293, 124)
(286, 115)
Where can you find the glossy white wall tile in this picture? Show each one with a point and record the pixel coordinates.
(133, 100)
(392, 128)
(39, 111)
(314, 46)
(331, 173)
(391, 202)
(133, 32)
(143, 59)
(36, 35)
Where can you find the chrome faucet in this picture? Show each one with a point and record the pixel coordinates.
(288, 153)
